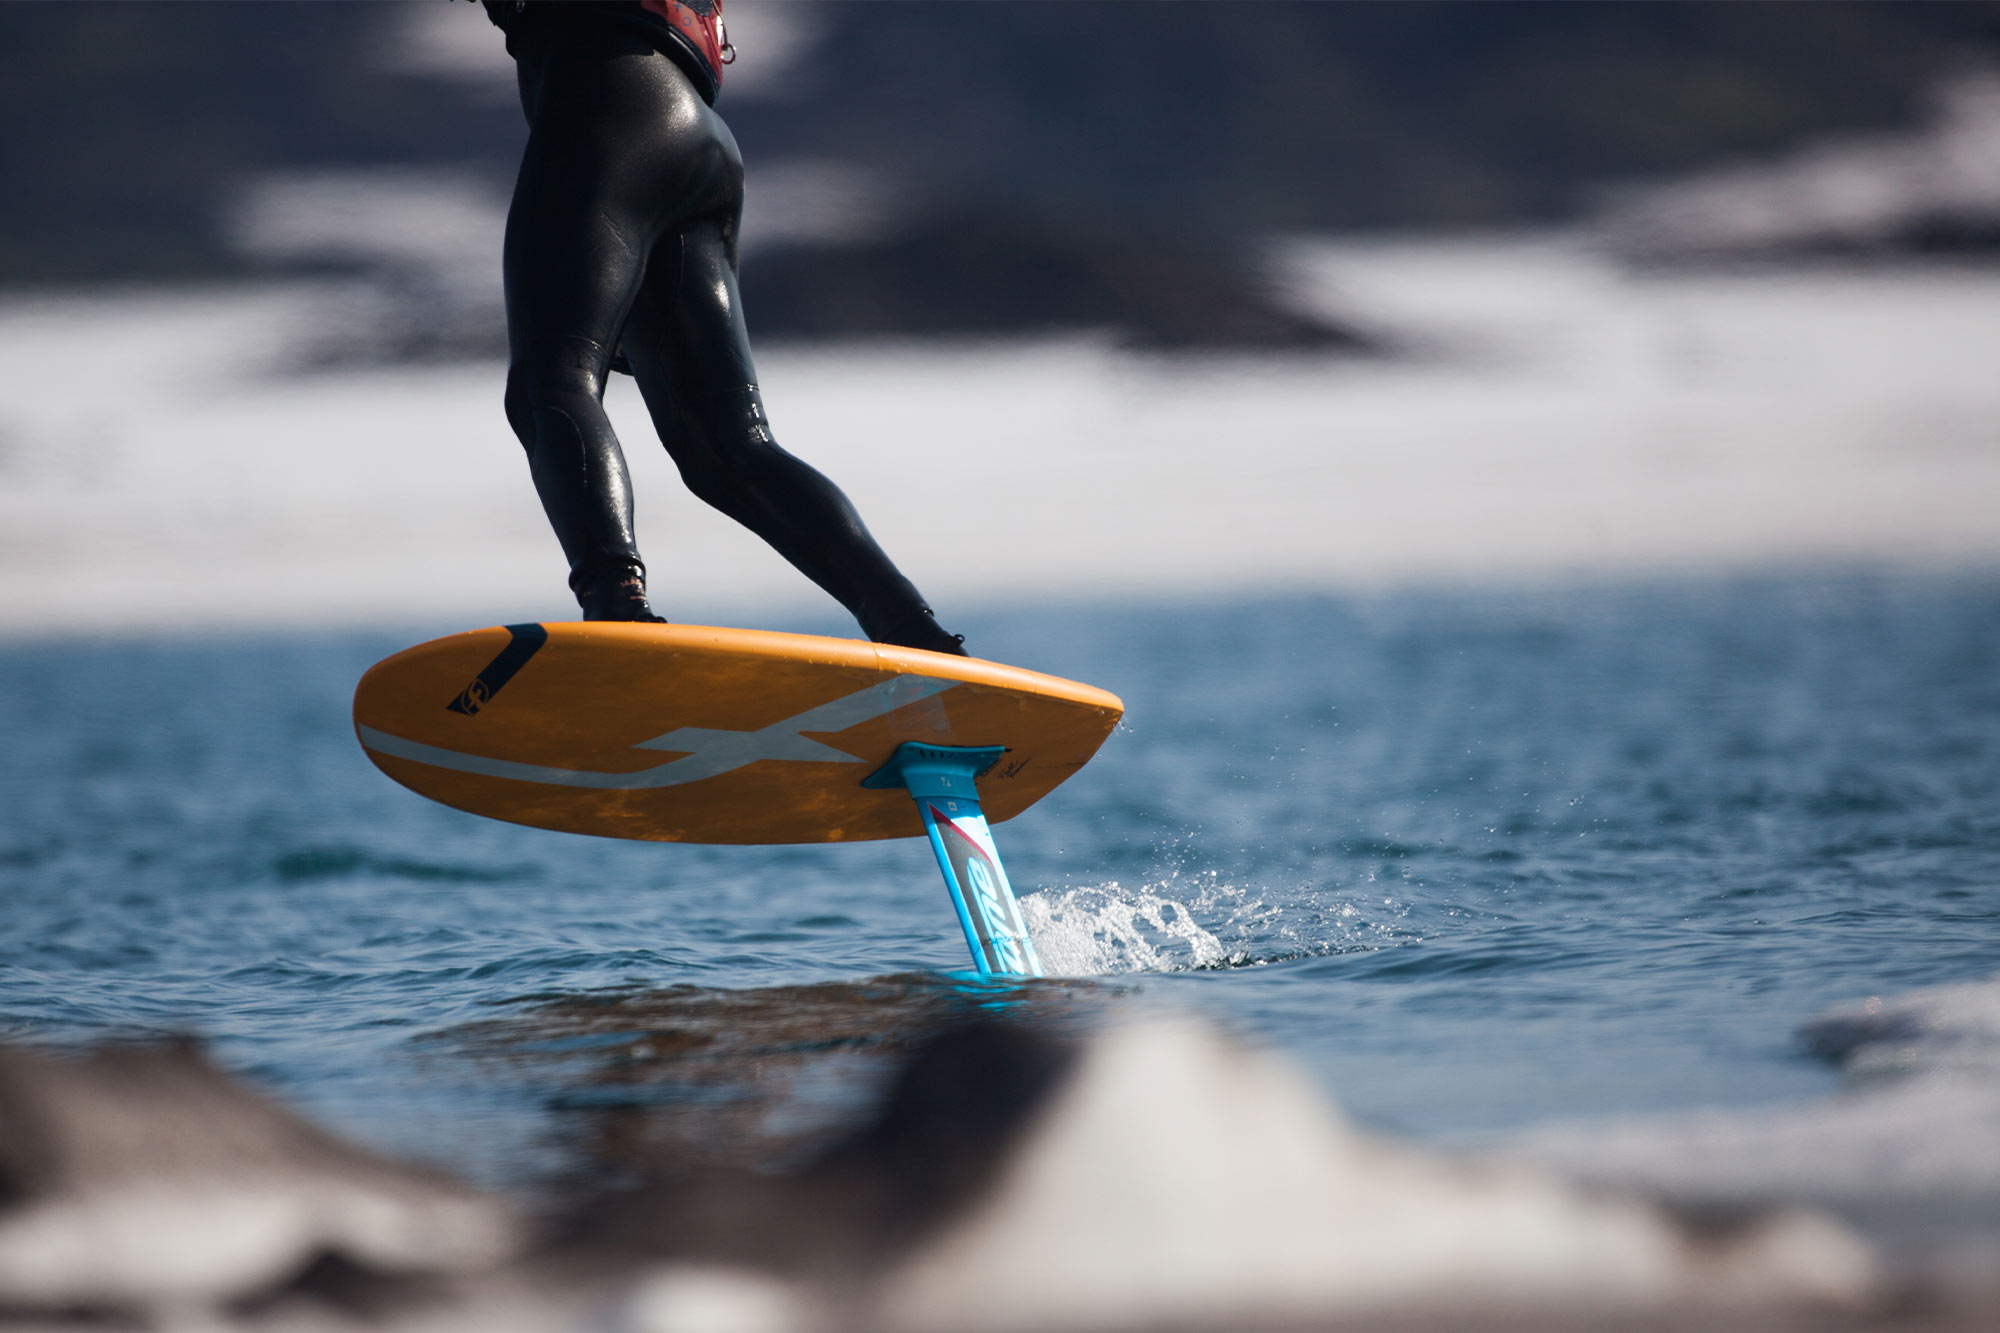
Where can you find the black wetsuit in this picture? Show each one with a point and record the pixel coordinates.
(623, 229)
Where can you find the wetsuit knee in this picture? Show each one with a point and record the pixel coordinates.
(567, 376)
(726, 476)
(741, 453)
(520, 408)
(708, 481)
(553, 434)
(579, 472)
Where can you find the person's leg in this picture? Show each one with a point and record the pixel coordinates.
(690, 351)
(571, 273)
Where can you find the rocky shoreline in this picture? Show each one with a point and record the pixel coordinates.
(1081, 1163)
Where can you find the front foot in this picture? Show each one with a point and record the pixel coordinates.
(924, 632)
(615, 594)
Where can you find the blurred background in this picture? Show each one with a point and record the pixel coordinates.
(1316, 295)
(1532, 471)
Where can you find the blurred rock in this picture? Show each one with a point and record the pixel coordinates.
(414, 259)
(141, 1178)
(134, 123)
(1935, 1031)
(1909, 1151)
(1936, 191)
(677, 1080)
(934, 1147)
(1177, 1180)
(979, 273)
(1159, 1176)
(687, 1298)
(1154, 1175)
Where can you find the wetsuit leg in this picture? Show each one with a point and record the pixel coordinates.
(690, 350)
(573, 261)
(624, 226)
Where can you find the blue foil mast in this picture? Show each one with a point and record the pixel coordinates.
(942, 779)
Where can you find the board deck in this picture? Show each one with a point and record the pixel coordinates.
(690, 733)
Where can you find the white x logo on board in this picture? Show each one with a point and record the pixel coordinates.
(706, 752)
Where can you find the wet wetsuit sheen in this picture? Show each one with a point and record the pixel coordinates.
(623, 228)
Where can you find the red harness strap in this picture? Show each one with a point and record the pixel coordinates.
(699, 24)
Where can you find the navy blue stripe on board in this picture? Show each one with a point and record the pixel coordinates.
(526, 641)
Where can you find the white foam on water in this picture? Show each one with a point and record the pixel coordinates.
(1098, 930)
(1196, 919)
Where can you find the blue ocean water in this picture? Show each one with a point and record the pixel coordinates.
(1477, 859)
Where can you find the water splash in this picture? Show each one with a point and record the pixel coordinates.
(1093, 931)
(1190, 920)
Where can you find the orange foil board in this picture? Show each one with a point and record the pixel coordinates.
(685, 733)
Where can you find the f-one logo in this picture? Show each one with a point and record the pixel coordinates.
(1003, 928)
(523, 642)
(987, 899)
